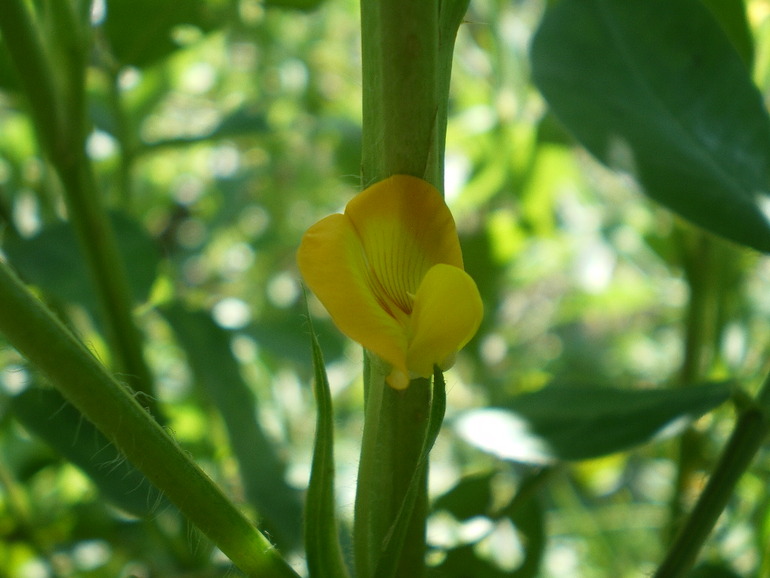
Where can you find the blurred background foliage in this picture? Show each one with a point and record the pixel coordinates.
(221, 131)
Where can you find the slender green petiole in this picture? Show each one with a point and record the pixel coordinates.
(748, 436)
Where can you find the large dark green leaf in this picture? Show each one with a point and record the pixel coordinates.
(141, 32)
(216, 370)
(8, 78)
(578, 423)
(731, 15)
(53, 262)
(655, 88)
(45, 413)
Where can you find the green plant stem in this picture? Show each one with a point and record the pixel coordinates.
(389, 556)
(748, 436)
(407, 55)
(22, 40)
(124, 136)
(400, 51)
(40, 337)
(395, 426)
(59, 114)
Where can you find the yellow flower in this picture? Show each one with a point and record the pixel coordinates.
(390, 273)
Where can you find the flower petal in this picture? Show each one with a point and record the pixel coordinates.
(447, 313)
(405, 228)
(332, 263)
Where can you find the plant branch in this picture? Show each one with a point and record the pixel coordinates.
(748, 436)
(47, 344)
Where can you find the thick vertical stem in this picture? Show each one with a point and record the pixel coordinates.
(407, 54)
(394, 430)
(400, 48)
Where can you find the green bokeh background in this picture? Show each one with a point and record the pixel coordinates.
(221, 131)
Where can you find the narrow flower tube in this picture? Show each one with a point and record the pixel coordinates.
(389, 271)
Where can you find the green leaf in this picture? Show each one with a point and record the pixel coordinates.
(242, 122)
(322, 545)
(141, 32)
(713, 570)
(46, 414)
(216, 371)
(731, 16)
(304, 5)
(52, 261)
(579, 423)
(657, 89)
(529, 520)
(471, 497)
(464, 561)
(8, 79)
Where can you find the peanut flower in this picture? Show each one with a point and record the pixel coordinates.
(390, 273)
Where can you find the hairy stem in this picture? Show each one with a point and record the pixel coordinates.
(395, 427)
(40, 337)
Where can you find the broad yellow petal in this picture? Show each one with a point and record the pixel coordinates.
(333, 265)
(447, 313)
(405, 228)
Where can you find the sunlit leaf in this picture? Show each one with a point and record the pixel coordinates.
(578, 423)
(655, 88)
